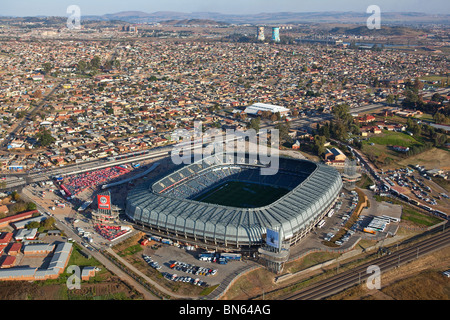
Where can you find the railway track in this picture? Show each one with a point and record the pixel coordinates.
(357, 275)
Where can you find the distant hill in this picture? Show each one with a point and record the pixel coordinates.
(276, 17)
(386, 30)
(194, 22)
(388, 18)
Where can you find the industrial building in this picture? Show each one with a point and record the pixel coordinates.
(58, 263)
(257, 108)
(276, 34)
(260, 34)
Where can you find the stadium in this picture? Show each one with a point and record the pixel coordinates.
(229, 204)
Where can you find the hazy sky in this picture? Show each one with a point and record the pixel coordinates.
(99, 7)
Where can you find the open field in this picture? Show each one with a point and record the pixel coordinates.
(431, 159)
(418, 280)
(242, 194)
(390, 138)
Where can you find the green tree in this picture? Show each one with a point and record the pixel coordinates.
(255, 124)
(283, 129)
(46, 67)
(31, 206)
(44, 137)
(82, 66)
(319, 144)
(32, 225)
(390, 99)
(48, 223)
(95, 62)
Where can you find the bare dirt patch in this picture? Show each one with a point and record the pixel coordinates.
(418, 280)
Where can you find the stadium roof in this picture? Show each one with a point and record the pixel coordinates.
(293, 212)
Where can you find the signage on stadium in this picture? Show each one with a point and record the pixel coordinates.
(273, 238)
(104, 202)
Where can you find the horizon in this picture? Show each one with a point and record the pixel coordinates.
(216, 12)
(32, 8)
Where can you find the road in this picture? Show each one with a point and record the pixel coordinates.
(69, 232)
(359, 274)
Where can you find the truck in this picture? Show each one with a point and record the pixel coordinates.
(167, 241)
(369, 230)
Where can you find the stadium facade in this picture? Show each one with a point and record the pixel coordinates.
(165, 206)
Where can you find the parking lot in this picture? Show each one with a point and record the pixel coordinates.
(188, 262)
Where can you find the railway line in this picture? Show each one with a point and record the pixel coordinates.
(359, 274)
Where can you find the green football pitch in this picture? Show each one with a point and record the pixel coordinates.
(242, 195)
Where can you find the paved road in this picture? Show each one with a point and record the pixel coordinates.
(98, 255)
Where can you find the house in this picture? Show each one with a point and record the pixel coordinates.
(87, 272)
(400, 148)
(26, 234)
(296, 145)
(335, 155)
(38, 249)
(367, 118)
(7, 261)
(25, 215)
(335, 158)
(5, 238)
(14, 249)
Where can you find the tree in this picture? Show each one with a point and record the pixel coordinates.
(32, 225)
(31, 206)
(319, 144)
(95, 63)
(44, 137)
(342, 114)
(283, 129)
(15, 196)
(47, 67)
(390, 99)
(82, 66)
(48, 223)
(255, 124)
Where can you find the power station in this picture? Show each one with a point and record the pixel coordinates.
(260, 34)
(276, 34)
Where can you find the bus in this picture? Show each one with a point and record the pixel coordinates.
(330, 213)
(321, 224)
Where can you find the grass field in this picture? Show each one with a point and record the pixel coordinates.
(242, 195)
(377, 145)
(390, 138)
